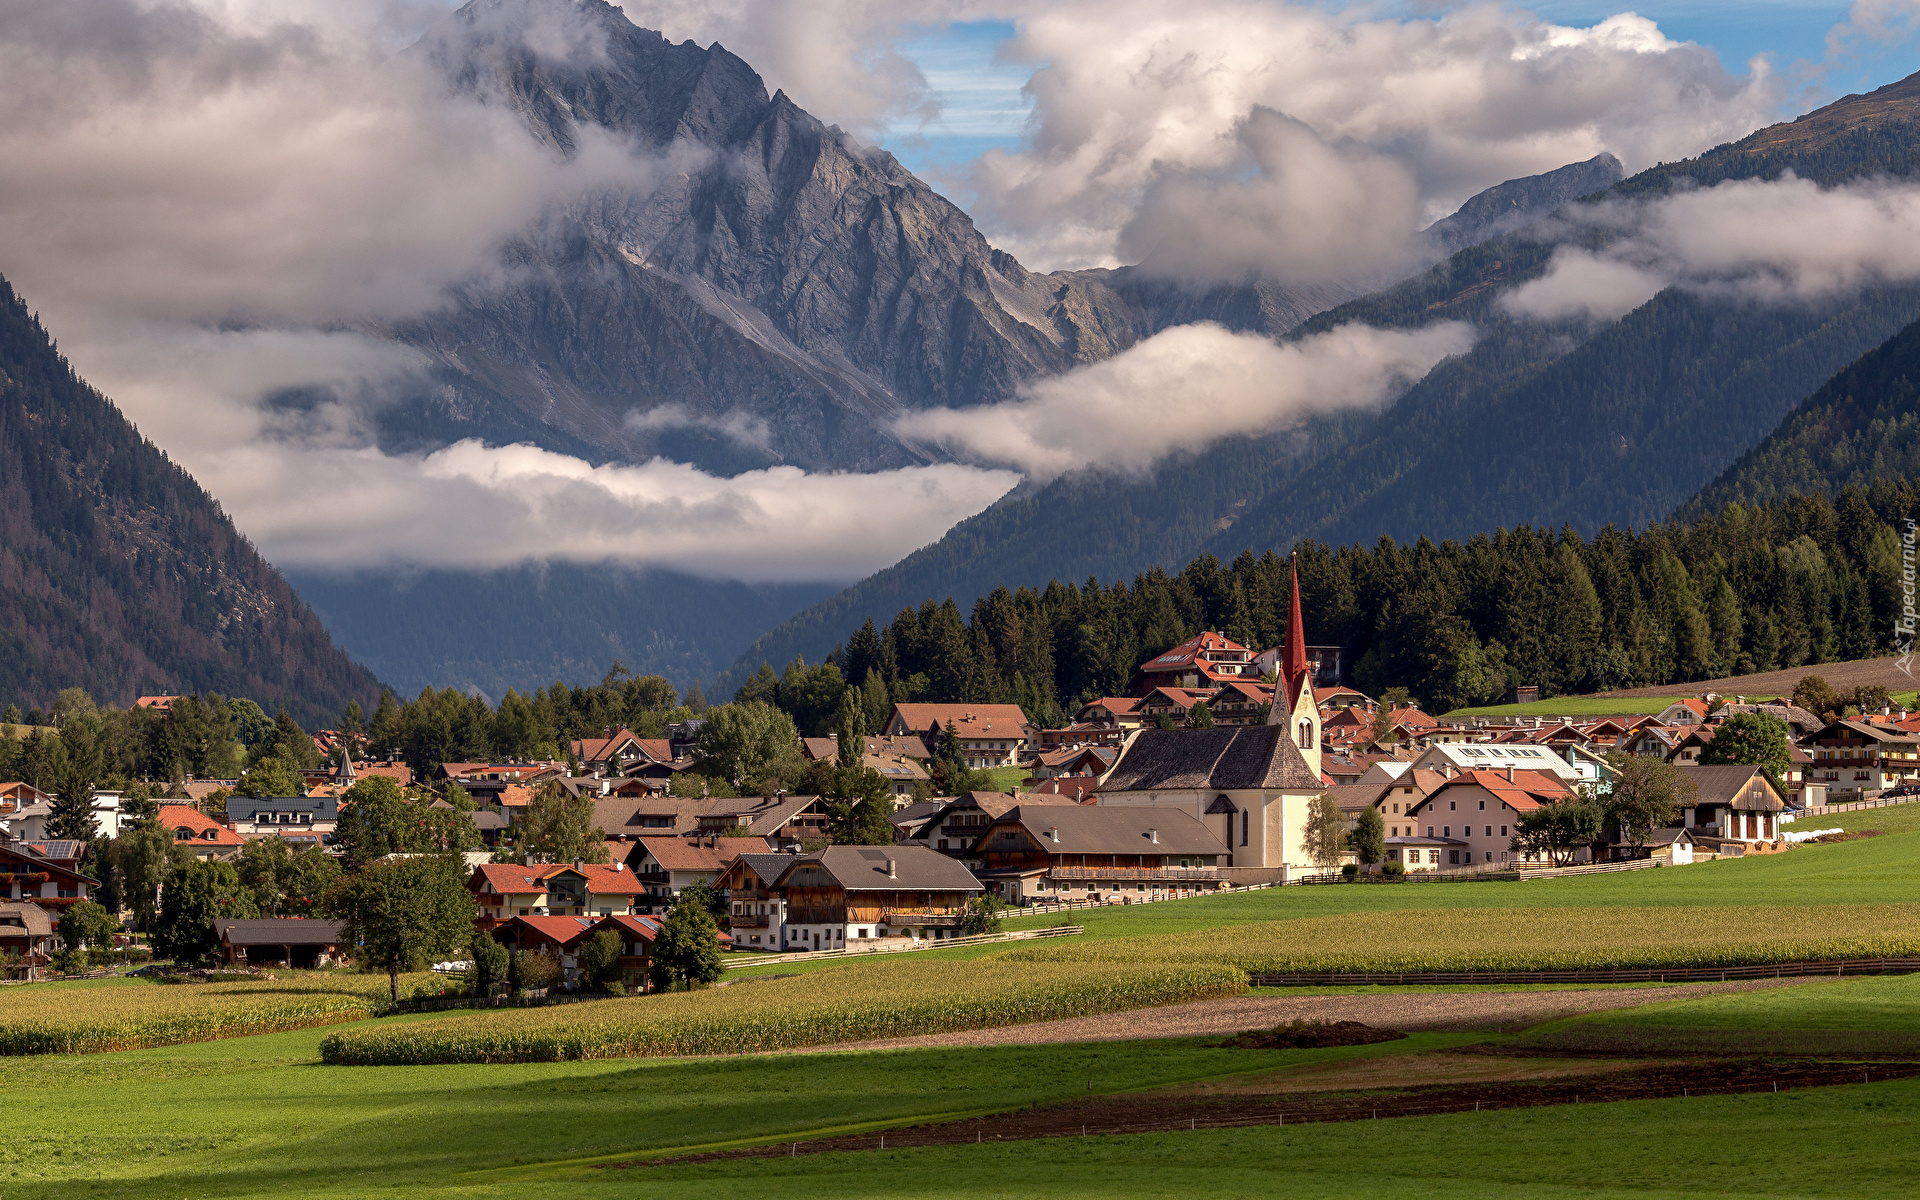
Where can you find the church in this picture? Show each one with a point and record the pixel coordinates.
(1249, 785)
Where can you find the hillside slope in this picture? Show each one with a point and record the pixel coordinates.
(1540, 423)
(1862, 425)
(119, 574)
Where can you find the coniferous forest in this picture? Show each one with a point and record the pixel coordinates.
(1802, 580)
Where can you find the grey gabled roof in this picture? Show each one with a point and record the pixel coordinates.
(1244, 757)
(279, 931)
(767, 866)
(242, 808)
(916, 869)
(1729, 783)
(1120, 829)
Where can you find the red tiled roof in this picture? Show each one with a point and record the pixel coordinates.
(176, 817)
(1187, 653)
(701, 854)
(510, 879)
(968, 720)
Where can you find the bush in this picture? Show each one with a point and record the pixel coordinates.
(1394, 870)
(531, 971)
(982, 915)
(1350, 872)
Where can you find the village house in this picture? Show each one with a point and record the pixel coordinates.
(502, 891)
(284, 816)
(757, 912)
(956, 827)
(27, 935)
(1171, 705)
(1081, 760)
(1041, 853)
(1673, 846)
(783, 821)
(1854, 757)
(564, 938)
(668, 865)
(1681, 713)
(1203, 662)
(1478, 810)
(25, 874)
(990, 735)
(1323, 664)
(846, 895)
(199, 834)
(1733, 804)
(1112, 712)
(620, 752)
(301, 942)
(1480, 756)
(1082, 733)
(1240, 702)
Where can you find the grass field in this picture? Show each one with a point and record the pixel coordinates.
(261, 1116)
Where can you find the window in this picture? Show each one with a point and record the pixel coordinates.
(1503, 831)
(1483, 806)
(1433, 856)
(1451, 806)
(1243, 827)
(1453, 858)
(1489, 831)
(1446, 831)
(862, 933)
(1429, 831)
(1396, 809)
(1489, 856)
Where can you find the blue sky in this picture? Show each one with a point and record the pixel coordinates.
(983, 106)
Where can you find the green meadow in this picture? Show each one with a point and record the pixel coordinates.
(261, 1116)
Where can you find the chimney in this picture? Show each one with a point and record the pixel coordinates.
(1153, 835)
(580, 864)
(892, 873)
(1509, 772)
(1054, 834)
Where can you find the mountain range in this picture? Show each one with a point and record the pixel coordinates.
(1541, 423)
(778, 292)
(767, 289)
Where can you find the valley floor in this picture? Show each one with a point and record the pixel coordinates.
(1595, 1092)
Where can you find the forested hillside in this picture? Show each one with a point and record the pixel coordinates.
(118, 574)
(1544, 423)
(1802, 580)
(1862, 426)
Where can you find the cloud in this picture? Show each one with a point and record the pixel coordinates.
(1580, 283)
(213, 165)
(744, 428)
(1289, 207)
(470, 505)
(1766, 241)
(322, 497)
(1184, 389)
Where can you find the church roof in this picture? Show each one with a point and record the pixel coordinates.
(1240, 757)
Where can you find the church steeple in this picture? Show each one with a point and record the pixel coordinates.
(1293, 659)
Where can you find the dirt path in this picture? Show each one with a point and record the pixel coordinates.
(1408, 1013)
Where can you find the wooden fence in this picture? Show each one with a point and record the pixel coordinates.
(1854, 966)
(1821, 810)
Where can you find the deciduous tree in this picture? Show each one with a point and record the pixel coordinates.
(557, 827)
(1325, 839)
(1369, 837)
(1752, 738)
(402, 911)
(687, 948)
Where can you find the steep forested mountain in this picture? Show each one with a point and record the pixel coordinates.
(120, 575)
(1861, 427)
(1541, 423)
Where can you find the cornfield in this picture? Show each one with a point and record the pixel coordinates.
(1520, 939)
(58, 1020)
(847, 1004)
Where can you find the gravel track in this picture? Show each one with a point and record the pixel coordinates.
(1412, 1012)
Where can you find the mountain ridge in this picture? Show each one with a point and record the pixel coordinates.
(120, 574)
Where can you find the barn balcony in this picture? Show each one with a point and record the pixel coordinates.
(1136, 874)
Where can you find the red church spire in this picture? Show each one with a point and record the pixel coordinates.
(1293, 659)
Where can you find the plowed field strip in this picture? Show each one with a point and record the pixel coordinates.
(1164, 1112)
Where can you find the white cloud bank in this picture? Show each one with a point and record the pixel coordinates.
(1153, 124)
(1184, 389)
(1781, 241)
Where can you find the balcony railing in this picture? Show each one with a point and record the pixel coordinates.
(1171, 874)
(816, 916)
(904, 918)
(750, 921)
